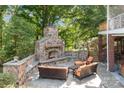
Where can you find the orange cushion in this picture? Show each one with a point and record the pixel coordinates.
(88, 62)
(81, 67)
(84, 62)
(90, 59)
(77, 73)
(80, 63)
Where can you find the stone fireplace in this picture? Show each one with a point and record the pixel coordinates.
(50, 46)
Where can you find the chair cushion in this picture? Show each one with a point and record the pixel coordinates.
(79, 63)
(88, 62)
(90, 59)
(83, 71)
(78, 71)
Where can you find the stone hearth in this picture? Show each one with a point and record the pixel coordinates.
(49, 47)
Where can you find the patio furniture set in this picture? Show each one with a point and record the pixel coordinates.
(80, 70)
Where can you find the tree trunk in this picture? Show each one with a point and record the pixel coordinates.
(36, 35)
(1, 34)
(45, 19)
(88, 49)
(1, 39)
(15, 44)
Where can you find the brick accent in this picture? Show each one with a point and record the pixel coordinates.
(111, 52)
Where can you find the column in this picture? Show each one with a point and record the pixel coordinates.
(111, 52)
(121, 46)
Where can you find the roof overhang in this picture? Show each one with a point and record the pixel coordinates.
(116, 32)
(102, 32)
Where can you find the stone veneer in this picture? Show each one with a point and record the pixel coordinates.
(49, 47)
(78, 55)
(24, 69)
(20, 68)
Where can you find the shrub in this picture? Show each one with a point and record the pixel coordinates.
(7, 80)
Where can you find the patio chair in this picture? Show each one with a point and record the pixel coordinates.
(88, 61)
(85, 70)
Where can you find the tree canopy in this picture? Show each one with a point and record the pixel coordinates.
(24, 25)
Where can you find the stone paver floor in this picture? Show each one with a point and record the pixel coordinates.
(103, 79)
(108, 79)
(91, 81)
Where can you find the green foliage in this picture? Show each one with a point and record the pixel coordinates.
(7, 80)
(43, 15)
(2, 12)
(78, 29)
(18, 37)
(76, 24)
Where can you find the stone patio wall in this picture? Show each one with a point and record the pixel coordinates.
(25, 68)
(20, 68)
(82, 55)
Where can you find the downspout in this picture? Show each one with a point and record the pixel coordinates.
(107, 37)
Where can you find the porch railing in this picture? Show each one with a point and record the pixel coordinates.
(116, 22)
